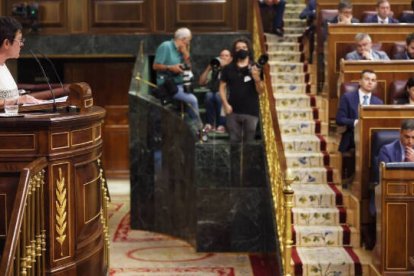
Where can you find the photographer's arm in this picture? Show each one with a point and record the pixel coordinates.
(258, 82)
(228, 109)
(172, 68)
(203, 80)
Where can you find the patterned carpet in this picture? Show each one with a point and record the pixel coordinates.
(139, 253)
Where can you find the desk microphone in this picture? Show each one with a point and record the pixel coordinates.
(54, 70)
(47, 81)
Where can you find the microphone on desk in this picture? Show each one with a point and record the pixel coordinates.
(69, 108)
(47, 81)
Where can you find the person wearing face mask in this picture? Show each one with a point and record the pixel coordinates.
(171, 59)
(11, 42)
(242, 80)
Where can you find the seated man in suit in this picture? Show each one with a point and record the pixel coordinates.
(400, 150)
(383, 15)
(364, 49)
(347, 114)
(344, 14)
(344, 17)
(409, 51)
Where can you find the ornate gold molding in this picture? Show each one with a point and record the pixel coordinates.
(61, 214)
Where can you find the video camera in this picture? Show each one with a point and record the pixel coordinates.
(28, 13)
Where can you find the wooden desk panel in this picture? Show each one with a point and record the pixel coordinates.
(394, 198)
(72, 144)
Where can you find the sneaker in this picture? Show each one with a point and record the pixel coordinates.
(208, 128)
(221, 129)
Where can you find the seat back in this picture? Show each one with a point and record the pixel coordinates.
(398, 93)
(378, 139)
(407, 17)
(353, 86)
(397, 48)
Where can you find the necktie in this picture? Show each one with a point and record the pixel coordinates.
(365, 101)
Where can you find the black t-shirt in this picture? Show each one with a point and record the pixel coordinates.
(243, 96)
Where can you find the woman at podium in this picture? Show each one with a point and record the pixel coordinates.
(11, 41)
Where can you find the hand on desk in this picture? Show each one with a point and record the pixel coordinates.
(27, 99)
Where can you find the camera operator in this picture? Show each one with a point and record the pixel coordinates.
(172, 62)
(242, 79)
(211, 78)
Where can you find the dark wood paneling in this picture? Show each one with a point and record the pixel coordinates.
(201, 15)
(109, 80)
(145, 16)
(120, 15)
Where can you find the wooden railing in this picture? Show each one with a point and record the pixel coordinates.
(282, 193)
(24, 250)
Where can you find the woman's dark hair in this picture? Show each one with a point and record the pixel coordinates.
(8, 28)
(410, 83)
(249, 47)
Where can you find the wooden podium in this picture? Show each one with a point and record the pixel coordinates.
(71, 142)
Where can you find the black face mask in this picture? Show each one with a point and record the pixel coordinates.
(241, 54)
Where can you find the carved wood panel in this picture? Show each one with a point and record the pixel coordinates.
(144, 16)
(120, 15)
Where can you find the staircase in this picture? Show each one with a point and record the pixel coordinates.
(325, 217)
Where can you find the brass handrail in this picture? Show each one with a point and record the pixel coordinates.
(282, 194)
(25, 246)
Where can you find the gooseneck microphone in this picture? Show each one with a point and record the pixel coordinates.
(54, 70)
(47, 81)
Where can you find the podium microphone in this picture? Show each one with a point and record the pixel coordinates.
(54, 70)
(47, 81)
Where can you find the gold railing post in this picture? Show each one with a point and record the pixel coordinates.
(288, 204)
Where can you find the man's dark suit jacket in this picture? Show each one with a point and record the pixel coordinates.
(374, 19)
(346, 115)
(390, 153)
(403, 55)
(407, 18)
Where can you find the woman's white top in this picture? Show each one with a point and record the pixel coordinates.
(8, 86)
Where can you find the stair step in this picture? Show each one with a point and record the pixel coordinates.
(316, 195)
(286, 113)
(283, 46)
(305, 159)
(285, 56)
(294, 88)
(301, 128)
(294, 30)
(286, 67)
(314, 175)
(326, 235)
(319, 216)
(293, 101)
(303, 143)
(325, 261)
(288, 77)
(295, 22)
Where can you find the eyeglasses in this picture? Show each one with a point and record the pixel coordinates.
(21, 41)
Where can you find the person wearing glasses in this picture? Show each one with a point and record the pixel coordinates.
(11, 42)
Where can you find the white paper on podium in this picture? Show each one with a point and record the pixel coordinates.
(57, 100)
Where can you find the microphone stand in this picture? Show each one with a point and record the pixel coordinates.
(54, 108)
